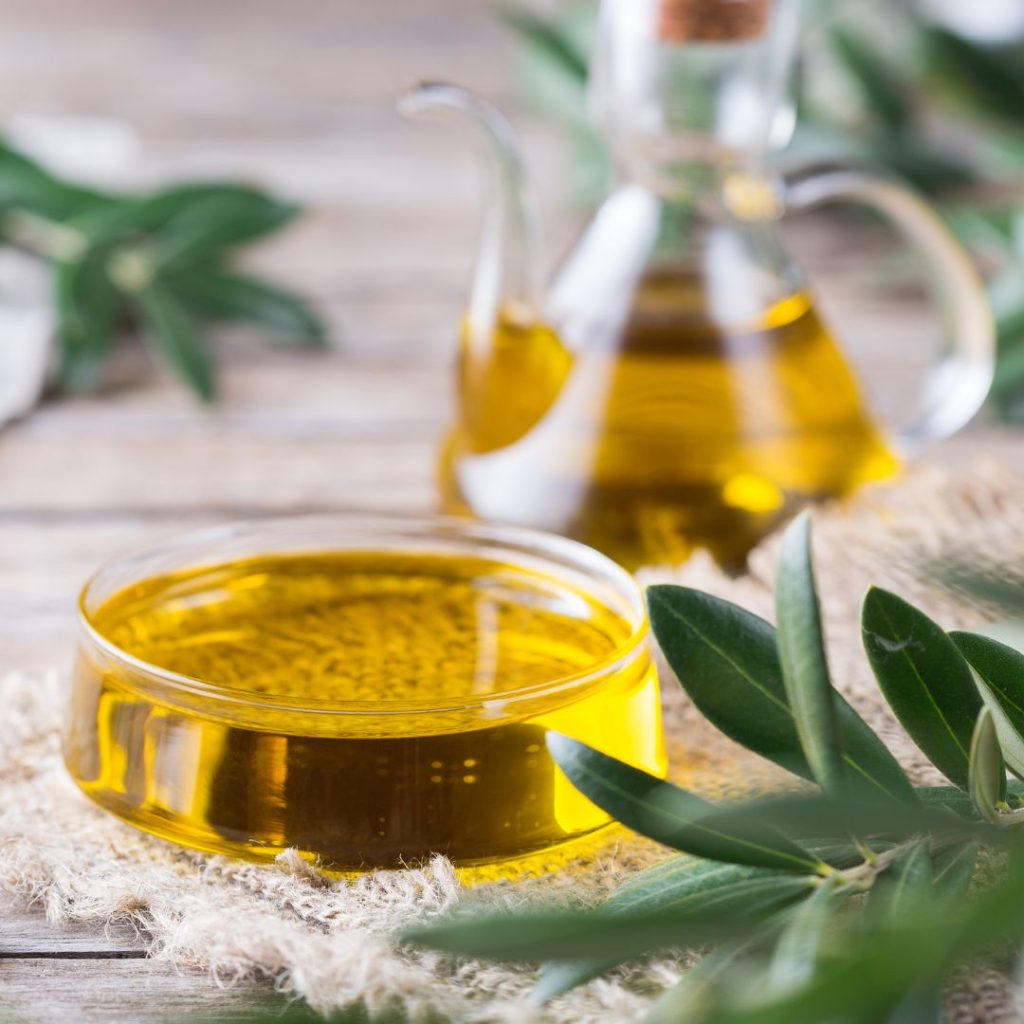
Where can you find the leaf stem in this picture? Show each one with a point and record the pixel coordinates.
(43, 237)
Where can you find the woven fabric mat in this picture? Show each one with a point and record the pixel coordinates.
(329, 941)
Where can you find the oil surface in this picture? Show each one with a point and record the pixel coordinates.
(290, 638)
(681, 432)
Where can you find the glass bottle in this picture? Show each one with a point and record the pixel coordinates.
(674, 386)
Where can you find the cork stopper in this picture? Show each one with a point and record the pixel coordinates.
(683, 21)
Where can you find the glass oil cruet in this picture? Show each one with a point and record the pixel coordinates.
(674, 387)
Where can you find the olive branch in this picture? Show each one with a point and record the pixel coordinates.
(162, 262)
(849, 902)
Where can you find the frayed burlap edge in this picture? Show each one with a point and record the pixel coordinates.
(329, 941)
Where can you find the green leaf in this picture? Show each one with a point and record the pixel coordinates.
(87, 309)
(221, 295)
(28, 186)
(880, 965)
(991, 81)
(922, 163)
(597, 934)
(670, 815)
(685, 885)
(550, 41)
(802, 654)
(688, 999)
(801, 817)
(212, 216)
(987, 775)
(924, 678)
(1000, 677)
(210, 223)
(905, 886)
(885, 96)
(174, 336)
(799, 946)
(952, 872)
(925, 1006)
(727, 661)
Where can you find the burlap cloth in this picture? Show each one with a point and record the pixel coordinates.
(329, 941)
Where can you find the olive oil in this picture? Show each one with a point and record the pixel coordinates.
(368, 708)
(676, 432)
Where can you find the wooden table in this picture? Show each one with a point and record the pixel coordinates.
(299, 96)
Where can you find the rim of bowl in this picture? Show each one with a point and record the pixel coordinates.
(520, 543)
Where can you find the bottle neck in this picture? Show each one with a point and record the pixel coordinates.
(690, 91)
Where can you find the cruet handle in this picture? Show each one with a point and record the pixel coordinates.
(957, 383)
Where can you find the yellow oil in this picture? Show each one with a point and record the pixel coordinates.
(681, 433)
(440, 663)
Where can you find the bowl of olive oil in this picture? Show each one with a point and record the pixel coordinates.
(367, 692)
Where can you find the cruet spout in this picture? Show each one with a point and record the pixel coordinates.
(510, 265)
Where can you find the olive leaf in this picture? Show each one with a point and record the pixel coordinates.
(886, 97)
(688, 999)
(87, 306)
(684, 884)
(802, 817)
(906, 885)
(952, 871)
(688, 884)
(176, 337)
(591, 935)
(552, 40)
(924, 678)
(804, 664)
(987, 775)
(160, 260)
(222, 295)
(882, 964)
(1000, 678)
(987, 79)
(800, 943)
(673, 816)
(727, 661)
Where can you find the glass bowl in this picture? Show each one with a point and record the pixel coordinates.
(367, 691)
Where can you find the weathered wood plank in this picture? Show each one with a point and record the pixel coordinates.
(25, 934)
(111, 991)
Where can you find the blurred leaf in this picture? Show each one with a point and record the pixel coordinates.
(924, 678)
(214, 215)
(687, 1000)
(1000, 674)
(87, 309)
(727, 661)
(174, 336)
(987, 774)
(802, 654)
(801, 817)
(799, 945)
(920, 1007)
(552, 40)
(953, 870)
(991, 81)
(905, 886)
(592, 935)
(923, 164)
(959, 802)
(886, 96)
(881, 965)
(25, 184)
(202, 224)
(670, 815)
(221, 295)
(683, 884)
